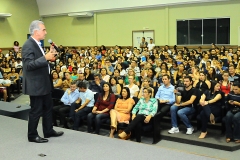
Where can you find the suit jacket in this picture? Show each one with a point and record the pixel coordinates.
(36, 78)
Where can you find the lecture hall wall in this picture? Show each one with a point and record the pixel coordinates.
(115, 27)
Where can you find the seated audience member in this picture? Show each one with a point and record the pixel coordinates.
(95, 69)
(225, 86)
(145, 84)
(178, 74)
(104, 74)
(88, 75)
(109, 68)
(143, 112)
(74, 75)
(184, 106)
(57, 81)
(133, 87)
(121, 69)
(71, 95)
(97, 84)
(4, 87)
(233, 115)
(81, 78)
(116, 88)
(100, 111)
(6, 68)
(202, 83)
(131, 72)
(83, 105)
(165, 95)
(233, 77)
(117, 75)
(67, 82)
(211, 75)
(134, 67)
(211, 106)
(121, 111)
(13, 77)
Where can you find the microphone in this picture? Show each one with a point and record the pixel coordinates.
(51, 42)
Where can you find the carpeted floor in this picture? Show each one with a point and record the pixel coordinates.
(78, 145)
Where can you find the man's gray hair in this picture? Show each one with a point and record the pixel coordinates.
(34, 26)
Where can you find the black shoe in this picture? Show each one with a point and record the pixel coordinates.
(69, 119)
(38, 140)
(54, 134)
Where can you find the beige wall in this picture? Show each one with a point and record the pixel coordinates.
(16, 26)
(111, 28)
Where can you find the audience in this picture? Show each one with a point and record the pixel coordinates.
(150, 66)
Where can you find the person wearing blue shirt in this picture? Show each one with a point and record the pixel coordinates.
(165, 95)
(83, 105)
(99, 56)
(69, 96)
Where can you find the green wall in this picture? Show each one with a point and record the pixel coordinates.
(16, 26)
(113, 27)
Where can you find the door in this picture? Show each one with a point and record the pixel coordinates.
(137, 37)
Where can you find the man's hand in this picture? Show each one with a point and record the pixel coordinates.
(94, 111)
(147, 119)
(69, 92)
(176, 104)
(51, 54)
(99, 112)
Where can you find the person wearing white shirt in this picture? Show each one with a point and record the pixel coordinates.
(4, 83)
(134, 90)
(151, 45)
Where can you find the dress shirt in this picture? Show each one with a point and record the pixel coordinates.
(68, 99)
(166, 93)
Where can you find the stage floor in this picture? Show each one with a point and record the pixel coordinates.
(78, 145)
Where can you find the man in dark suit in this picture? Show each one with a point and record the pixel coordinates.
(37, 83)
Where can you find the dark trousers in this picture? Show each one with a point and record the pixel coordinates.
(164, 109)
(62, 111)
(40, 106)
(136, 125)
(98, 118)
(205, 115)
(79, 115)
(73, 107)
(233, 125)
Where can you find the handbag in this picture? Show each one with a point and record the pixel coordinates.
(235, 110)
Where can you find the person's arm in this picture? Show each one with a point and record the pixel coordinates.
(193, 97)
(195, 83)
(118, 89)
(215, 99)
(172, 97)
(64, 98)
(59, 84)
(208, 84)
(175, 77)
(140, 93)
(136, 92)
(152, 113)
(110, 106)
(202, 100)
(136, 109)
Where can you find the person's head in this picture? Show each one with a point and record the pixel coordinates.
(73, 86)
(58, 68)
(97, 77)
(116, 73)
(212, 71)
(131, 72)
(82, 86)
(67, 75)
(81, 76)
(87, 70)
(15, 43)
(181, 67)
(7, 65)
(55, 75)
(74, 70)
(166, 79)
(143, 39)
(37, 30)
(236, 88)
(13, 69)
(146, 82)
(225, 75)
(107, 88)
(187, 81)
(202, 76)
(151, 72)
(231, 69)
(125, 94)
(95, 65)
(215, 86)
(164, 66)
(113, 80)
(119, 66)
(133, 64)
(147, 92)
(103, 71)
(163, 72)
(107, 62)
(5, 75)
(131, 79)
